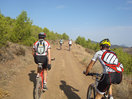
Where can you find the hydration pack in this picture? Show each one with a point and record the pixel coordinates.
(41, 47)
(61, 41)
(110, 59)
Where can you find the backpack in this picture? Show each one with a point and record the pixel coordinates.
(61, 41)
(41, 47)
(110, 59)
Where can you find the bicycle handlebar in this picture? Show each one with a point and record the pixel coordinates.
(92, 74)
(52, 59)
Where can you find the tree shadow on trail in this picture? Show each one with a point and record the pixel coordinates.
(69, 90)
(32, 77)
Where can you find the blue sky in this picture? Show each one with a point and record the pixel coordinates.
(93, 19)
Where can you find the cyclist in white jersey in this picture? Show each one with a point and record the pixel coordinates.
(70, 44)
(61, 42)
(112, 69)
(44, 57)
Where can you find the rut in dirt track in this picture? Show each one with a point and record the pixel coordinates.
(65, 79)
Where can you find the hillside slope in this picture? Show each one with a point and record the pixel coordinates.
(65, 79)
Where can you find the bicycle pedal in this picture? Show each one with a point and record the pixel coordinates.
(37, 78)
(106, 95)
(44, 90)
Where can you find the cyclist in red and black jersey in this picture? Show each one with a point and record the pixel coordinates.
(42, 55)
(112, 69)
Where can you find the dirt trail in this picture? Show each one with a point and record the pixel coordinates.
(65, 79)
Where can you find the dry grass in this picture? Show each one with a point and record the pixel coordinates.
(123, 90)
(90, 51)
(20, 51)
(13, 59)
(3, 93)
(11, 51)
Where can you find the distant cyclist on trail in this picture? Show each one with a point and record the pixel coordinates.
(112, 69)
(41, 53)
(70, 44)
(61, 42)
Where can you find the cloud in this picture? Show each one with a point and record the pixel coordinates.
(129, 2)
(122, 29)
(127, 6)
(124, 8)
(60, 7)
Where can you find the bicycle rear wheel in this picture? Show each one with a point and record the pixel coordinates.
(38, 90)
(91, 92)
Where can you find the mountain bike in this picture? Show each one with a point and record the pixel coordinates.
(91, 92)
(39, 81)
(60, 46)
(69, 47)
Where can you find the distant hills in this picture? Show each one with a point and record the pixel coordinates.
(115, 46)
(128, 50)
(118, 46)
(125, 48)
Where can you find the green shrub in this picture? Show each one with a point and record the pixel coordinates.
(125, 59)
(29, 41)
(87, 43)
(21, 30)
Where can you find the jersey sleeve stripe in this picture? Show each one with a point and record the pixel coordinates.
(35, 42)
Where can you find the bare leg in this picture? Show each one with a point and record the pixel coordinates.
(98, 96)
(110, 91)
(37, 72)
(45, 75)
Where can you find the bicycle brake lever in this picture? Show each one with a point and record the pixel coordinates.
(84, 72)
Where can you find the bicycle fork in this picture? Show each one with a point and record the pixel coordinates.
(41, 73)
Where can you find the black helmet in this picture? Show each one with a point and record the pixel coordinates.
(42, 35)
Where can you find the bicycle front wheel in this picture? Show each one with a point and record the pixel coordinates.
(91, 92)
(69, 48)
(38, 89)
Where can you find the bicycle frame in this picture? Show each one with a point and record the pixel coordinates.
(69, 47)
(60, 46)
(41, 72)
(94, 86)
(39, 81)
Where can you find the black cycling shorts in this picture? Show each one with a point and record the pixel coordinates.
(41, 59)
(70, 44)
(60, 44)
(108, 79)
(45, 64)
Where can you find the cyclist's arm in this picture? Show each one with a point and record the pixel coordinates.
(90, 66)
(93, 61)
(49, 56)
(33, 51)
